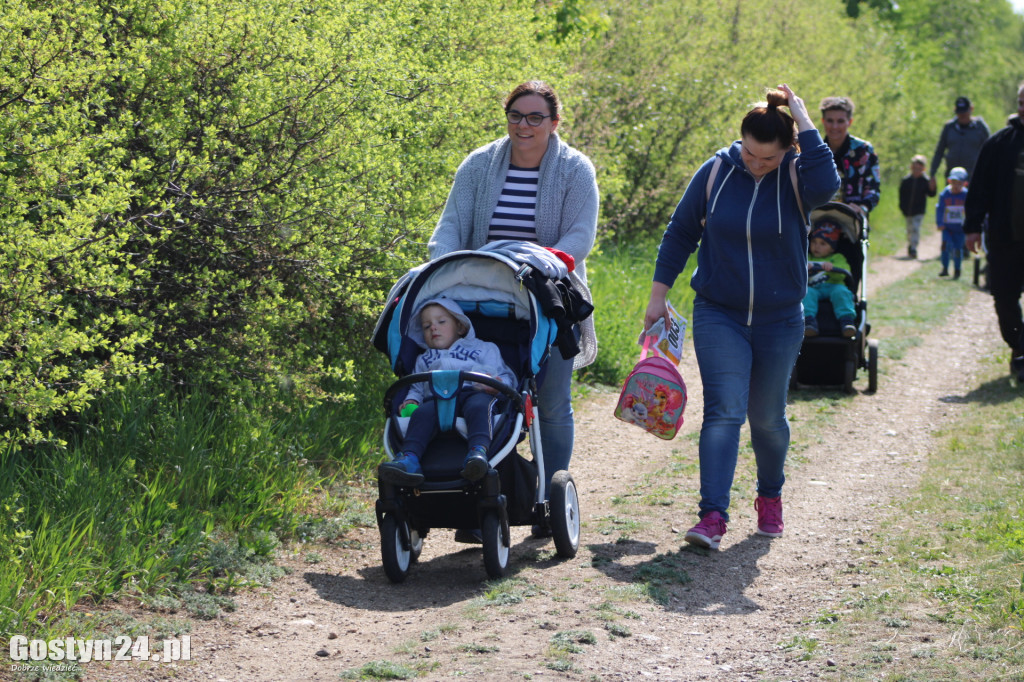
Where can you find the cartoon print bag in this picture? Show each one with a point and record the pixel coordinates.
(654, 394)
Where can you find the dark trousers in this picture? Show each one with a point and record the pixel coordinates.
(1005, 280)
(475, 406)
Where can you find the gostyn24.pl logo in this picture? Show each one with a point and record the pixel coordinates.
(121, 648)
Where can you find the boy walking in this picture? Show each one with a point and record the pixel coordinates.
(914, 188)
(949, 219)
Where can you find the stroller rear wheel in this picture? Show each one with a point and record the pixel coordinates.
(565, 514)
(496, 539)
(396, 553)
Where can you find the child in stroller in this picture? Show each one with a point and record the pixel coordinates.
(502, 296)
(446, 334)
(833, 356)
(824, 284)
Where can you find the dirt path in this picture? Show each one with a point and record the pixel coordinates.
(638, 494)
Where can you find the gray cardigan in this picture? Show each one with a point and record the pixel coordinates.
(567, 209)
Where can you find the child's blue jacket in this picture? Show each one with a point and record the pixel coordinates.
(753, 256)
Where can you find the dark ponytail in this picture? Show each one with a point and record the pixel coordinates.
(767, 123)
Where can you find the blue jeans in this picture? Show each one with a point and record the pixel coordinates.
(554, 405)
(952, 247)
(745, 373)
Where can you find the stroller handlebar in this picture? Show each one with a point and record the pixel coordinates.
(464, 376)
(816, 267)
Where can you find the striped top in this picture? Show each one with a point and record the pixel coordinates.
(515, 215)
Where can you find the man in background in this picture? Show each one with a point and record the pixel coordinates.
(960, 141)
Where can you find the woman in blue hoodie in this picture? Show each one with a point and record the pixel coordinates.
(747, 209)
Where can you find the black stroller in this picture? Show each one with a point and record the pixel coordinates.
(830, 359)
(489, 287)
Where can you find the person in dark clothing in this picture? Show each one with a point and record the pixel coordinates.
(960, 141)
(997, 191)
(914, 190)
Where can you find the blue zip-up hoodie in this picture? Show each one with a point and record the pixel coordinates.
(753, 256)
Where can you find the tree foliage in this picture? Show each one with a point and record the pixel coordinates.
(225, 188)
(668, 84)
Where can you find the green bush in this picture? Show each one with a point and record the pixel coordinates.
(227, 190)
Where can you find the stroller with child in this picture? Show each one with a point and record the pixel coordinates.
(831, 359)
(504, 289)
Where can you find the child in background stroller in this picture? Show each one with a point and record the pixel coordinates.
(832, 358)
(493, 290)
(827, 280)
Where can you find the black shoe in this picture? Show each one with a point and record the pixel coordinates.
(475, 467)
(1017, 370)
(540, 531)
(469, 536)
(944, 273)
(912, 252)
(956, 274)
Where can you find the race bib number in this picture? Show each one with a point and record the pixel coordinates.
(954, 215)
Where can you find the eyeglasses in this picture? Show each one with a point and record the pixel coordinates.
(533, 120)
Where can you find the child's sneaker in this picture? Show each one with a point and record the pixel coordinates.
(810, 326)
(848, 327)
(476, 465)
(769, 516)
(708, 532)
(403, 470)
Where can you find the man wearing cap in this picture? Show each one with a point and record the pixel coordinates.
(997, 192)
(960, 141)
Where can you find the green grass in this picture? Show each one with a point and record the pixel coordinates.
(951, 553)
(155, 495)
(620, 280)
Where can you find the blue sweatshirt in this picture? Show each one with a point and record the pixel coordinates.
(753, 256)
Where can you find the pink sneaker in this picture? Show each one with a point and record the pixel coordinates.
(769, 516)
(708, 533)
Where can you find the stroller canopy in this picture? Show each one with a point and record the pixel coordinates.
(486, 284)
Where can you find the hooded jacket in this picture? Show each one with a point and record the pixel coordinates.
(467, 353)
(753, 256)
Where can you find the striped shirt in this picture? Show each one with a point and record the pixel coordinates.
(515, 215)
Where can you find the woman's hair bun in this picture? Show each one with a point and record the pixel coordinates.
(777, 98)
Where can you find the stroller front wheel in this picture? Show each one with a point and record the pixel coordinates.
(565, 514)
(496, 544)
(398, 554)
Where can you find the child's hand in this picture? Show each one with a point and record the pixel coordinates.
(826, 266)
(406, 404)
(485, 388)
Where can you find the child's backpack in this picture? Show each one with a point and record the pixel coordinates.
(654, 395)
